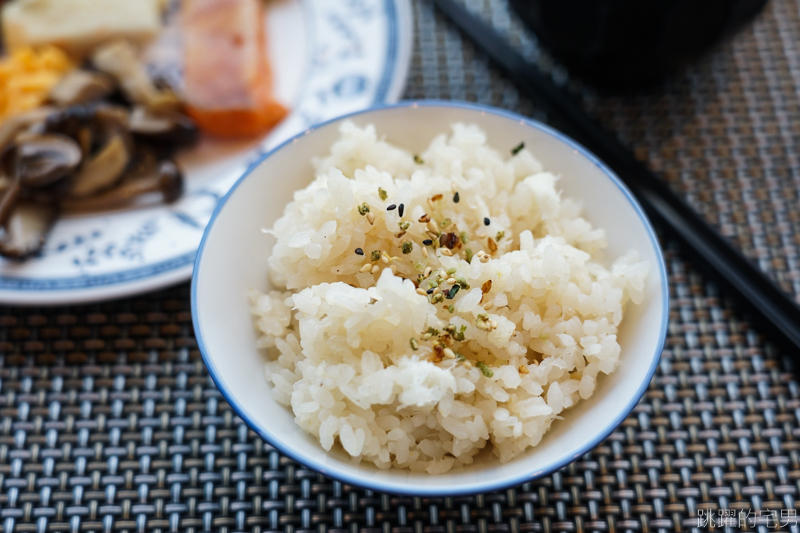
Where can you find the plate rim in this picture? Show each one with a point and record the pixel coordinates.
(149, 277)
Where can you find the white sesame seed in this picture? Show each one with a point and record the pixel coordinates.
(376, 269)
(437, 290)
(485, 259)
(432, 227)
(385, 258)
(449, 354)
(425, 252)
(426, 336)
(371, 218)
(488, 305)
(427, 272)
(451, 281)
(447, 252)
(494, 324)
(467, 365)
(366, 268)
(421, 292)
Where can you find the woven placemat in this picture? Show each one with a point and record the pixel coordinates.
(109, 421)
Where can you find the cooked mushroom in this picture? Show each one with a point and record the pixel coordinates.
(45, 159)
(168, 180)
(68, 120)
(81, 86)
(9, 184)
(8, 198)
(118, 59)
(75, 122)
(144, 162)
(104, 169)
(107, 117)
(23, 234)
(10, 127)
(174, 129)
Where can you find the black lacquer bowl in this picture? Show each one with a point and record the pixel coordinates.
(618, 44)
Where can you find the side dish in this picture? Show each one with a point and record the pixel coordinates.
(89, 148)
(227, 79)
(27, 76)
(430, 305)
(79, 26)
(83, 124)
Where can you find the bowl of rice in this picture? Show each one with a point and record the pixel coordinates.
(431, 298)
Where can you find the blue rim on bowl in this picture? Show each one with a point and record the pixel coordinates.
(411, 490)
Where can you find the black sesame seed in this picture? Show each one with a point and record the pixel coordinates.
(429, 291)
(391, 207)
(401, 210)
(456, 198)
(427, 242)
(359, 251)
(486, 221)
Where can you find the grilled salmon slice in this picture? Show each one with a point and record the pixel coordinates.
(227, 78)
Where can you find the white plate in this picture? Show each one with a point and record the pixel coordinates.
(328, 58)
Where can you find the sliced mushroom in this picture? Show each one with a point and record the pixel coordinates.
(24, 233)
(10, 127)
(81, 86)
(107, 117)
(45, 159)
(68, 120)
(174, 129)
(118, 59)
(74, 122)
(145, 162)
(104, 169)
(10, 192)
(8, 199)
(168, 180)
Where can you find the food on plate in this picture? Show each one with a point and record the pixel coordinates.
(429, 306)
(80, 86)
(27, 76)
(78, 26)
(104, 135)
(118, 59)
(227, 79)
(105, 138)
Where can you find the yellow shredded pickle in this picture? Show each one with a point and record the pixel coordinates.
(26, 77)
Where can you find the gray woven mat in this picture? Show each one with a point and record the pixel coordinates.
(109, 422)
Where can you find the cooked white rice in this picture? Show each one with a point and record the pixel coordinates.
(360, 356)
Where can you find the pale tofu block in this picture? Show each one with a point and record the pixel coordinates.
(77, 26)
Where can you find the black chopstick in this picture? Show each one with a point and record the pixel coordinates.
(769, 307)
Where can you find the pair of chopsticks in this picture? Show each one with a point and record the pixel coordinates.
(770, 308)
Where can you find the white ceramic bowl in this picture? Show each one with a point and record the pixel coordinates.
(233, 259)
